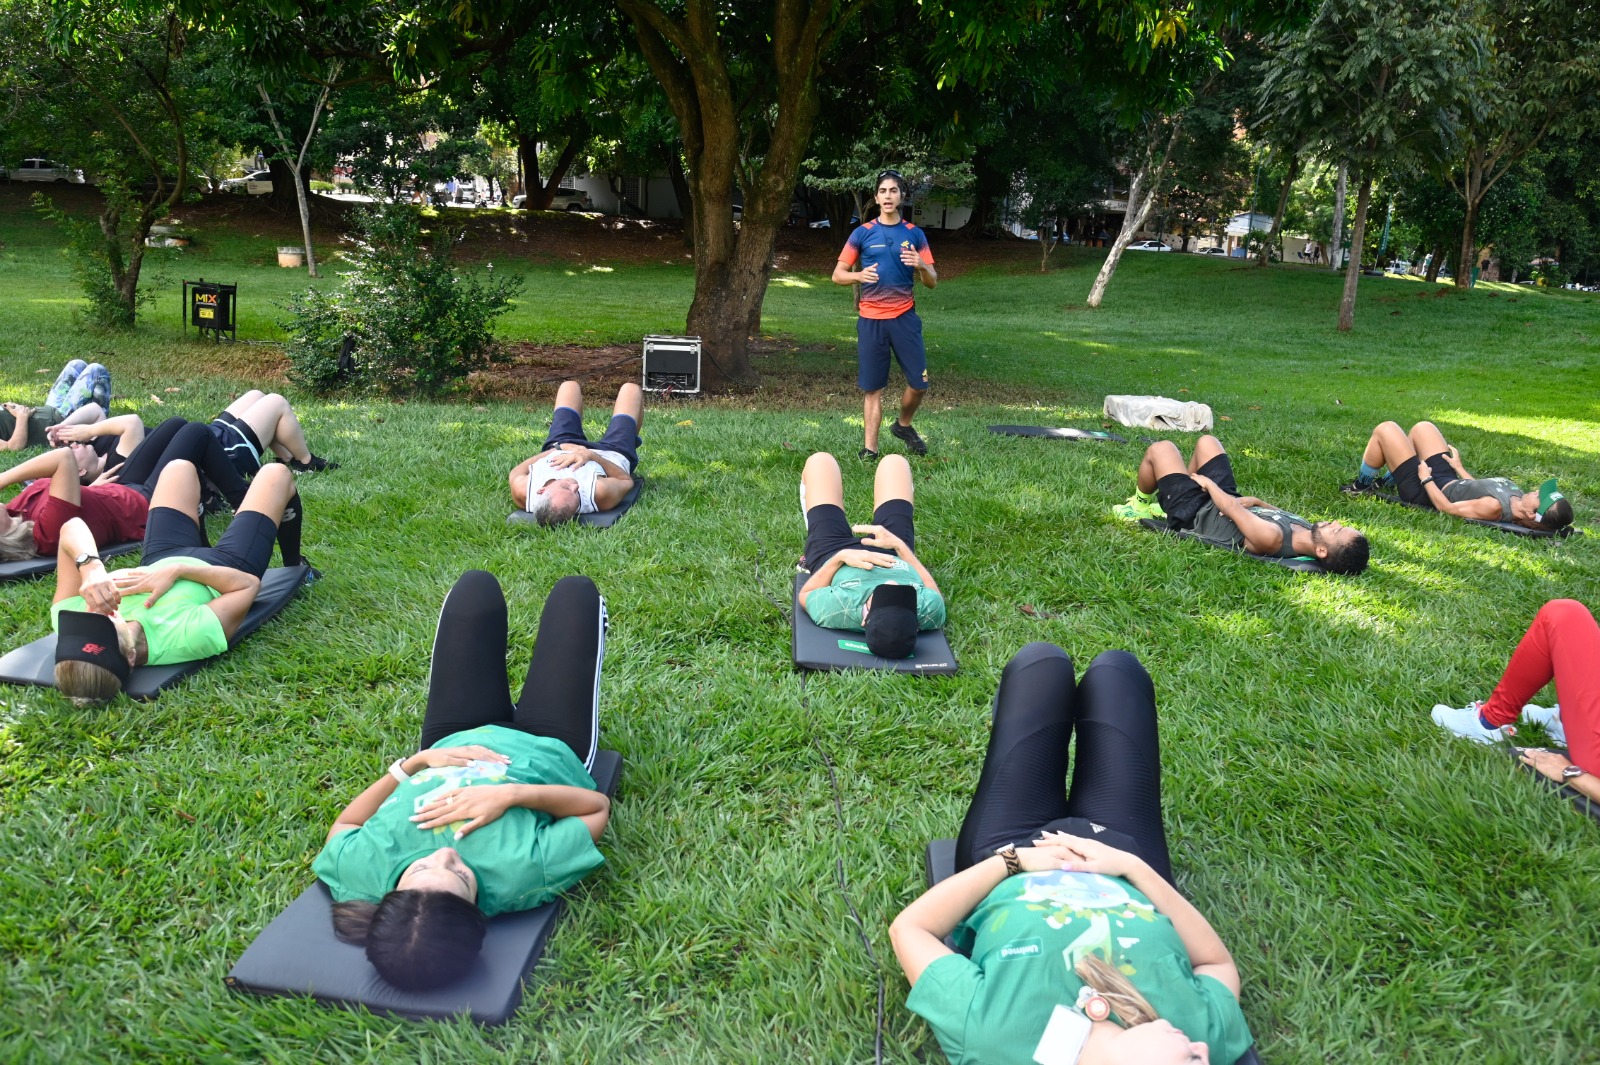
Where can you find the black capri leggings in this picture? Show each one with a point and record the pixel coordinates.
(1116, 779)
(176, 439)
(560, 698)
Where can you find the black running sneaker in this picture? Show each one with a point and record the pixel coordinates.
(866, 454)
(317, 464)
(907, 435)
(1358, 487)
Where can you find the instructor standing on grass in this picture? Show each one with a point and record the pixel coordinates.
(894, 254)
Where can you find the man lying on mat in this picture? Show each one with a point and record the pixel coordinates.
(568, 477)
(1203, 497)
(1426, 471)
(184, 601)
(873, 584)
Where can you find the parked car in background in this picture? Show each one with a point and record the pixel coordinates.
(37, 169)
(257, 183)
(1148, 245)
(1211, 251)
(563, 200)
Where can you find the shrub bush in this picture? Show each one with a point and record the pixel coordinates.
(418, 324)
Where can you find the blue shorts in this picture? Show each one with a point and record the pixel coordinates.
(874, 339)
(622, 435)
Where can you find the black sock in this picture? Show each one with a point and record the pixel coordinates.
(289, 532)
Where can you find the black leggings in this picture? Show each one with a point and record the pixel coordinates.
(1116, 778)
(561, 696)
(177, 439)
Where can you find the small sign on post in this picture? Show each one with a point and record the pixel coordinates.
(210, 306)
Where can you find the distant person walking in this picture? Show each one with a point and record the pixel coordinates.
(895, 254)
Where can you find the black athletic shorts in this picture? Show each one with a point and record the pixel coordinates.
(239, 442)
(1411, 487)
(828, 530)
(246, 546)
(1182, 497)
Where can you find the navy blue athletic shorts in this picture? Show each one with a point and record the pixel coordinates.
(622, 435)
(875, 337)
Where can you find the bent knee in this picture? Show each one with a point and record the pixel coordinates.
(1563, 611)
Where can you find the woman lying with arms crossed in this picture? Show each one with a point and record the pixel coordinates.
(497, 812)
(1076, 946)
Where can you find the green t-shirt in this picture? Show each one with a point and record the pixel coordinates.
(523, 859)
(41, 419)
(1024, 940)
(838, 606)
(181, 627)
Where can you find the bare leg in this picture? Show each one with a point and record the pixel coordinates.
(274, 423)
(244, 402)
(269, 494)
(872, 415)
(1389, 447)
(910, 400)
(1206, 448)
(1428, 440)
(570, 394)
(821, 482)
(1160, 459)
(178, 488)
(892, 481)
(630, 401)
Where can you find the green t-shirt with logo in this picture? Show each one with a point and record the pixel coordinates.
(41, 419)
(181, 627)
(522, 859)
(838, 606)
(1024, 940)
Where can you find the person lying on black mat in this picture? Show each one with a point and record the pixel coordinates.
(569, 477)
(1203, 497)
(872, 584)
(184, 601)
(1426, 471)
(1062, 901)
(496, 812)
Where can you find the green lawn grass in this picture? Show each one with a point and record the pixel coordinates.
(1390, 893)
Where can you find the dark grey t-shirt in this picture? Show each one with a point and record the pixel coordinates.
(1502, 490)
(1212, 525)
(41, 419)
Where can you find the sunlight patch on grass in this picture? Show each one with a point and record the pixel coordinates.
(790, 282)
(601, 270)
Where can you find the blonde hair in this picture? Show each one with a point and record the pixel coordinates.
(17, 543)
(86, 684)
(1108, 981)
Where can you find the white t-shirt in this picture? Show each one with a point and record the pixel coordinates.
(542, 473)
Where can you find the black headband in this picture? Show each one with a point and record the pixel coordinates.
(92, 638)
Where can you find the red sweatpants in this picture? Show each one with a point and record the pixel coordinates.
(1562, 643)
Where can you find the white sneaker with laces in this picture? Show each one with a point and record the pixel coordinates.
(1465, 722)
(1549, 718)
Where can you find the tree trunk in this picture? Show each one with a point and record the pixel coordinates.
(1139, 201)
(1336, 245)
(1352, 270)
(680, 191)
(989, 185)
(1283, 205)
(732, 266)
(1435, 260)
(1469, 254)
(547, 192)
(528, 156)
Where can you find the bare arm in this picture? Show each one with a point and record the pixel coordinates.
(236, 590)
(608, 490)
(19, 432)
(480, 804)
(843, 275)
(127, 428)
(363, 806)
(918, 933)
(45, 465)
(1261, 536)
(850, 556)
(91, 581)
(519, 479)
(1484, 509)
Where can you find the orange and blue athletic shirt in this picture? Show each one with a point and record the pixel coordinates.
(876, 244)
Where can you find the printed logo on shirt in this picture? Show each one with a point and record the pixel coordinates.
(1022, 948)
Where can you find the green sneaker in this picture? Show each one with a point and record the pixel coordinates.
(1138, 507)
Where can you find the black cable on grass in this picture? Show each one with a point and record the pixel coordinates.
(844, 885)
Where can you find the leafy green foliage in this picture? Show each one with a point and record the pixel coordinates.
(96, 256)
(419, 323)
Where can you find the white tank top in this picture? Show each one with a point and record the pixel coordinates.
(542, 473)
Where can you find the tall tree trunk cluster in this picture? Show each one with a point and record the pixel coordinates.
(686, 52)
(1142, 191)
